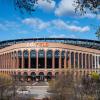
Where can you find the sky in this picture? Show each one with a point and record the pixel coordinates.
(56, 19)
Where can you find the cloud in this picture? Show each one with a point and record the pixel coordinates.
(62, 36)
(58, 24)
(46, 5)
(91, 15)
(36, 23)
(62, 25)
(58, 36)
(65, 7)
(6, 25)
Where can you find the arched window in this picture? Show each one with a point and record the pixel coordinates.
(49, 75)
(15, 59)
(80, 60)
(20, 58)
(84, 61)
(33, 58)
(33, 76)
(72, 59)
(76, 60)
(56, 58)
(41, 76)
(41, 59)
(99, 60)
(67, 58)
(91, 60)
(25, 53)
(62, 59)
(19, 76)
(49, 59)
(25, 76)
(87, 60)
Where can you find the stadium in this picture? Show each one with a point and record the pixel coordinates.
(45, 58)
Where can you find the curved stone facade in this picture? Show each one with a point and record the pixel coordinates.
(48, 59)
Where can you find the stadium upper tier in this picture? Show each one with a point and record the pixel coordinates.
(94, 44)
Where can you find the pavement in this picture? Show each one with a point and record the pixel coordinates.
(38, 90)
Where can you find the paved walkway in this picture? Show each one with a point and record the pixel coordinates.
(38, 90)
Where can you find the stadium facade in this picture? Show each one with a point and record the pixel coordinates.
(45, 58)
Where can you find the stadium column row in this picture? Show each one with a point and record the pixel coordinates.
(71, 59)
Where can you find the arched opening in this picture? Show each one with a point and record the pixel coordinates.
(20, 59)
(41, 59)
(15, 59)
(76, 60)
(33, 76)
(25, 53)
(84, 61)
(67, 58)
(41, 76)
(62, 59)
(25, 76)
(56, 75)
(49, 59)
(80, 60)
(19, 76)
(33, 58)
(87, 60)
(49, 76)
(57, 59)
(92, 61)
(72, 59)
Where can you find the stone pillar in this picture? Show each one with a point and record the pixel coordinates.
(91, 61)
(17, 60)
(22, 60)
(37, 59)
(98, 61)
(65, 59)
(95, 61)
(8, 60)
(53, 60)
(69, 60)
(74, 60)
(60, 60)
(82, 60)
(45, 59)
(29, 60)
(78, 60)
(0, 61)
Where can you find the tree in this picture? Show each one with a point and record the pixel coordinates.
(85, 5)
(63, 88)
(27, 5)
(98, 33)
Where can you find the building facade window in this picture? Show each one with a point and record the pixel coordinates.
(20, 59)
(25, 54)
(80, 60)
(41, 59)
(56, 55)
(84, 61)
(49, 59)
(33, 59)
(76, 60)
(72, 59)
(62, 59)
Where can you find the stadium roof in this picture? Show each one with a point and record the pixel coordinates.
(94, 44)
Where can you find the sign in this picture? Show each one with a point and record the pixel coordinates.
(38, 44)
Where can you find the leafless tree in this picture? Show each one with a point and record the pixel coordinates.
(63, 88)
(85, 5)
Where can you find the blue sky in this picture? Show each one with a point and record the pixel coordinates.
(55, 19)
